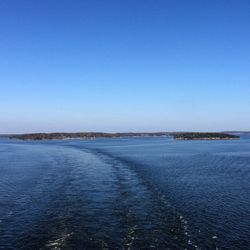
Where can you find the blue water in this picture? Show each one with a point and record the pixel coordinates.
(129, 193)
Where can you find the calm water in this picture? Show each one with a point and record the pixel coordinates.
(137, 193)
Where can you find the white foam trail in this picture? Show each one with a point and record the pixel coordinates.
(59, 242)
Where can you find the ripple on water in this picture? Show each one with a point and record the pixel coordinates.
(83, 200)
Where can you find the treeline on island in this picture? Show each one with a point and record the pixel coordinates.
(80, 135)
(204, 136)
(93, 135)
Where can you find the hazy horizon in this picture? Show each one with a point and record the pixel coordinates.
(136, 131)
(124, 66)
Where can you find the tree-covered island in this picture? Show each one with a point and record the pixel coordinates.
(93, 135)
(81, 135)
(204, 136)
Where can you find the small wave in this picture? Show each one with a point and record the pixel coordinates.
(59, 242)
(160, 224)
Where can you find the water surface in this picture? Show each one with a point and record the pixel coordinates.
(131, 193)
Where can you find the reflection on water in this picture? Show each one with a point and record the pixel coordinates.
(124, 194)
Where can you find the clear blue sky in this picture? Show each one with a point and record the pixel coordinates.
(131, 65)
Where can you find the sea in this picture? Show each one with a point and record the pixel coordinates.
(125, 193)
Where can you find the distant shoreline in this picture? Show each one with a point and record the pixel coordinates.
(206, 139)
(95, 135)
(82, 135)
(205, 136)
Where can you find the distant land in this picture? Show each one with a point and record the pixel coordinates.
(205, 136)
(93, 135)
(81, 135)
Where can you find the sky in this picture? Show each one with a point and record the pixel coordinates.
(124, 65)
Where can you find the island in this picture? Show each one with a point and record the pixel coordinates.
(81, 135)
(204, 136)
(94, 135)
